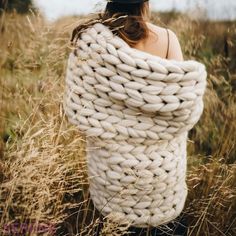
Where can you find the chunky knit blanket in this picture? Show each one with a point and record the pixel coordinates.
(136, 110)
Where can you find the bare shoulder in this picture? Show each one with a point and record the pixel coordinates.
(162, 31)
(157, 29)
(175, 47)
(175, 51)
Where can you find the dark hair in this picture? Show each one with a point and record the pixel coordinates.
(125, 20)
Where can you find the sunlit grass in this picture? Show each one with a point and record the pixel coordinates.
(43, 165)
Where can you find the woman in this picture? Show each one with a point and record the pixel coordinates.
(134, 27)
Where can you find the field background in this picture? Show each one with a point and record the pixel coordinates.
(42, 158)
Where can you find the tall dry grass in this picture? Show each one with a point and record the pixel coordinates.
(42, 157)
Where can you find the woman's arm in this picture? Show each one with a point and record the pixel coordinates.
(175, 51)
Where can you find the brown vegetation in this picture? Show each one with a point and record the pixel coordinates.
(42, 157)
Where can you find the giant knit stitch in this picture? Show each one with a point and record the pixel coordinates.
(136, 110)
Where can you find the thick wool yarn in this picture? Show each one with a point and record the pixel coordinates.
(136, 110)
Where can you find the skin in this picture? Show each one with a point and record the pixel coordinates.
(157, 43)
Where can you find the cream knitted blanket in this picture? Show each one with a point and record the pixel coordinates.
(136, 110)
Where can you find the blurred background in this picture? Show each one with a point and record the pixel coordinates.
(214, 10)
(54, 9)
(43, 178)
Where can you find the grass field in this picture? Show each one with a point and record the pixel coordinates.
(42, 157)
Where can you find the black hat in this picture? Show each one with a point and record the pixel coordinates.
(127, 1)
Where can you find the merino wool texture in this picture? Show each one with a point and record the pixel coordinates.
(136, 110)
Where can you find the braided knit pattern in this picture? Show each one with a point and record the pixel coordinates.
(136, 110)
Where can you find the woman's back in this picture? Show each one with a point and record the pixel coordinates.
(161, 42)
